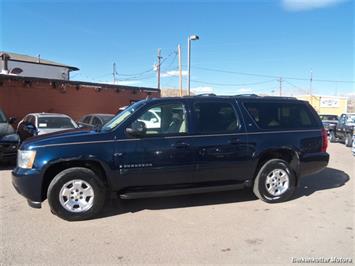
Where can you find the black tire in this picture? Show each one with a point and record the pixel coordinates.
(348, 140)
(332, 137)
(85, 175)
(260, 187)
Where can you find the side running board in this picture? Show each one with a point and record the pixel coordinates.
(181, 191)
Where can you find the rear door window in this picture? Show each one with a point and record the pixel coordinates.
(96, 121)
(87, 120)
(215, 117)
(276, 115)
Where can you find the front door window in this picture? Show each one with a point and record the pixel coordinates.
(166, 119)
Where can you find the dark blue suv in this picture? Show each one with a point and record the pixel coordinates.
(173, 146)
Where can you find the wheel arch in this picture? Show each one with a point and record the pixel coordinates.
(55, 168)
(287, 154)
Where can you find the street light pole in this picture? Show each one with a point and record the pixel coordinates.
(158, 68)
(191, 38)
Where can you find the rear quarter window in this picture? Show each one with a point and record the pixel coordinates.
(276, 115)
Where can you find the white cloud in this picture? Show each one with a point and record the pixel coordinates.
(301, 5)
(200, 90)
(173, 73)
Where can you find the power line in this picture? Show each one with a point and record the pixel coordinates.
(137, 75)
(270, 76)
(297, 87)
(172, 62)
(232, 84)
(136, 79)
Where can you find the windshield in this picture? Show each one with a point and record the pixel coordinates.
(2, 117)
(118, 119)
(55, 122)
(352, 118)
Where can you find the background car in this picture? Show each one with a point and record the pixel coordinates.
(95, 120)
(43, 123)
(328, 120)
(343, 130)
(353, 146)
(151, 118)
(9, 140)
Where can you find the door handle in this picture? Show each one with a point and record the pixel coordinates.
(181, 145)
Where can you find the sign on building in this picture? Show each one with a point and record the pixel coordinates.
(329, 102)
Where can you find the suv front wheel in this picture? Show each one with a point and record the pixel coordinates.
(348, 140)
(275, 181)
(75, 194)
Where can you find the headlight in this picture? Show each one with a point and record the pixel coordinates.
(11, 137)
(25, 159)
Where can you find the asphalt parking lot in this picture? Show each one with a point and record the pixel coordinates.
(229, 227)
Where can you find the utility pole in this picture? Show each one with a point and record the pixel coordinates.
(180, 70)
(158, 68)
(114, 73)
(280, 80)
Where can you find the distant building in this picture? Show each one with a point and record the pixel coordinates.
(334, 105)
(29, 66)
(22, 95)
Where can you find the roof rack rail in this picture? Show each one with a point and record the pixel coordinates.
(282, 97)
(206, 94)
(248, 95)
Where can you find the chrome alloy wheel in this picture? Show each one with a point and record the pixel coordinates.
(277, 182)
(76, 196)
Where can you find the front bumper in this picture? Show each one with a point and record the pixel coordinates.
(313, 163)
(28, 183)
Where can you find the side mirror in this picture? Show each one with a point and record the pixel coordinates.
(137, 129)
(154, 120)
(12, 120)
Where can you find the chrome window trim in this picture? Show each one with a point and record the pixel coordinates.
(174, 137)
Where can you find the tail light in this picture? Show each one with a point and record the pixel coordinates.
(324, 140)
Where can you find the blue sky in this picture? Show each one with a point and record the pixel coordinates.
(244, 46)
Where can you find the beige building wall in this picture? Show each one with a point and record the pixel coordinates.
(333, 105)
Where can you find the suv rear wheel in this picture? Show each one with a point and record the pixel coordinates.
(75, 194)
(275, 181)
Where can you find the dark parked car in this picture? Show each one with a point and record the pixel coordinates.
(202, 144)
(43, 123)
(343, 131)
(95, 120)
(353, 144)
(328, 120)
(9, 140)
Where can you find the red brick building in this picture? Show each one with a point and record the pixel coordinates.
(22, 95)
